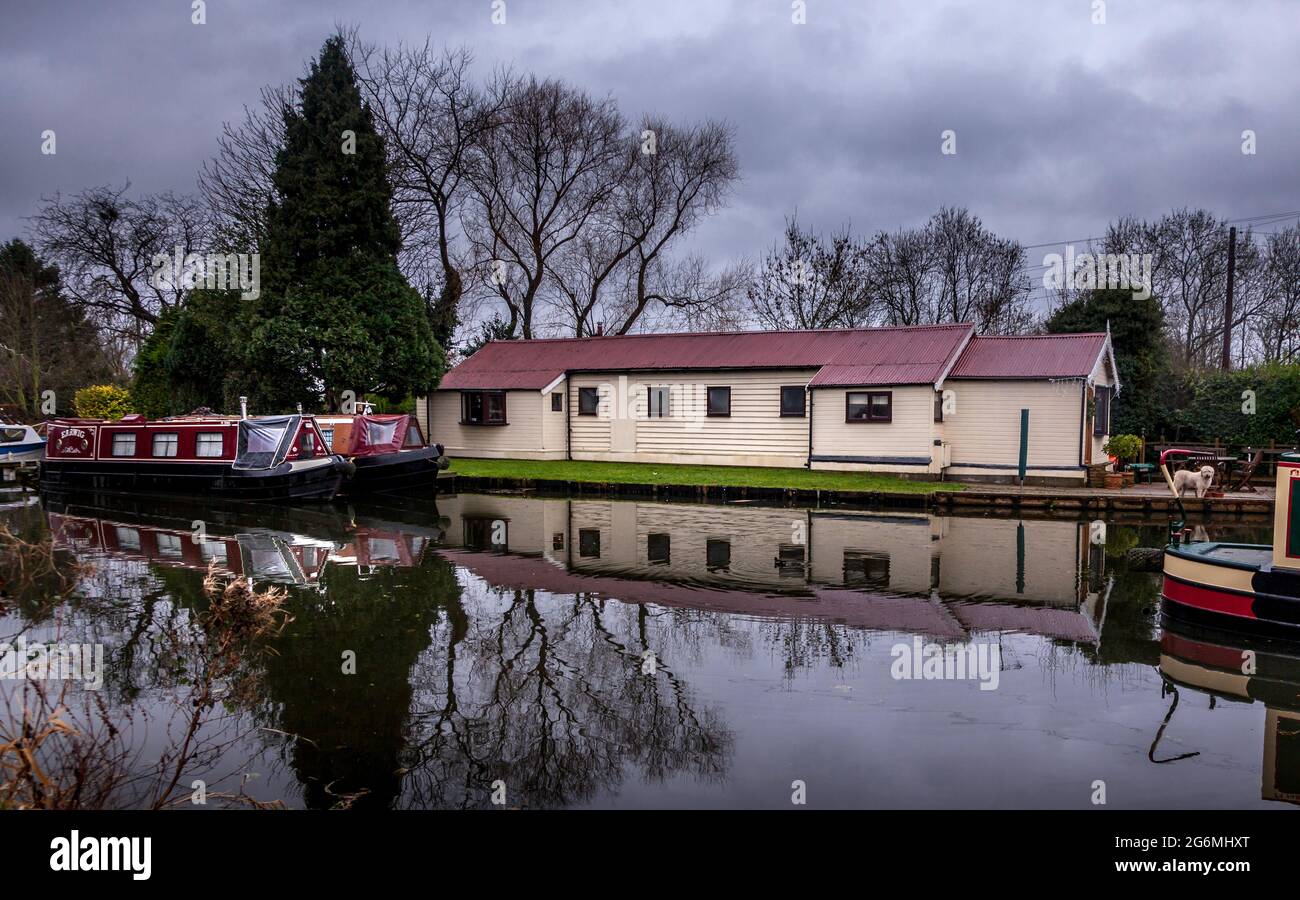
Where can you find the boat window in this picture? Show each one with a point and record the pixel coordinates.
(327, 435)
(380, 432)
(308, 444)
(165, 444)
(264, 443)
(869, 406)
(209, 444)
(124, 444)
(127, 538)
(170, 545)
(9, 435)
(413, 436)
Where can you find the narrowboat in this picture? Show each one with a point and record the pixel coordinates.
(389, 451)
(265, 458)
(1250, 587)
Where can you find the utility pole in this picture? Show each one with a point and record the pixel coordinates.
(1227, 306)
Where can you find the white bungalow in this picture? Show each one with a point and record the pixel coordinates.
(926, 402)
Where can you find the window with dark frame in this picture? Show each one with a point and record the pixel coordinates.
(557, 402)
(717, 555)
(866, 568)
(938, 406)
(792, 401)
(1101, 412)
(589, 543)
(657, 402)
(869, 406)
(588, 401)
(719, 401)
(483, 408)
(658, 548)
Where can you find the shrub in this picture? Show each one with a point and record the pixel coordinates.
(1124, 447)
(102, 401)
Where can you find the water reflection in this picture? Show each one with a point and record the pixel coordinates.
(549, 653)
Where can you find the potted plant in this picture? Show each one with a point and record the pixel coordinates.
(1125, 448)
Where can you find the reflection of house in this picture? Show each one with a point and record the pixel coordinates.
(925, 573)
(921, 401)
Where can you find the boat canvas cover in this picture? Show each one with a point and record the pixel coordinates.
(264, 443)
(373, 434)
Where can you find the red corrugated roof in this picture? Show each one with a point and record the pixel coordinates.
(1030, 356)
(871, 356)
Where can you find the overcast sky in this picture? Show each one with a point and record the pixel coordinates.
(1061, 124)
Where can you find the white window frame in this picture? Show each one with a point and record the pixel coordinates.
(123, 436)
(200, 444)
(175, 445)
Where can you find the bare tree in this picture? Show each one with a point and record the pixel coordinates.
(1276, 325)
(982, 278)
(807, 281)
(541, 176)
(236, 184)
(904, 276)
(431, 116)
(104, 243)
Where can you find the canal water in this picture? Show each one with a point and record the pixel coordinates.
(494, 649)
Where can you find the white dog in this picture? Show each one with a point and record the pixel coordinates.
(1199, 480)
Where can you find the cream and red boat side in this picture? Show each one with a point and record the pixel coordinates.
(266, 458)
(389, 452)
(1252, 586)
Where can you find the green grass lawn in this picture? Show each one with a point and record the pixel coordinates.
(721, 476)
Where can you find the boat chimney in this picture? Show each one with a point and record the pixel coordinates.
(300, 409)
(243, 407)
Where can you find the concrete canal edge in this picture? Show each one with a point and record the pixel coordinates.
(938, 501)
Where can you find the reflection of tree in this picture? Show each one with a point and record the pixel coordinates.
(547, 694)
(350, 729)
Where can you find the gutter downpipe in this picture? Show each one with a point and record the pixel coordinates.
(809, 391)
(568, 437)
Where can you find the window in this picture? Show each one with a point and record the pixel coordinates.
(124, 445)
(657, 402)
(717, 555)
(588, 401)
(659, 548)
(790, 560)
(327, 435)
(792, 400)
(938, 406)
(9, 435)
(719, 401)
(413, 436)
(483, 408)
(869, 406)
(589, 543)
(307, 445)
(381, 432)
(557, 402)
(209, 444)
(557, 541)
(165, 444)
(169, 545)
(127, 538)
(864, 568)
(485, 533)
(1101, 413)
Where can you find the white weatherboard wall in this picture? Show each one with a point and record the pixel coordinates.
(910, 435)
(755, 434)
(527, 434)
(983, 430)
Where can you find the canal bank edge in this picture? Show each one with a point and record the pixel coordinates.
(938, 501)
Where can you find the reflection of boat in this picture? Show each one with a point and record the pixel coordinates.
(1251, 586)
(275, 457)
(1239, 668)
(389, 452)
(946, 577)
(297, 552)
